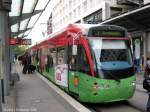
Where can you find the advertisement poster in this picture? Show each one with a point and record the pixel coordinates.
(61, 75)
(137, 49)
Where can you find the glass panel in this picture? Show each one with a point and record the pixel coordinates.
(28, 5)
(33, 20)
(110, 50)
(14, 28)
(113, 58)
(60, 57)
(53, 54)
(109, 44)
(41, 4)
(15, 8)
(20, 35)
(23, 24)
(27, 32)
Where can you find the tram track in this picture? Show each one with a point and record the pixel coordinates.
(122, 106)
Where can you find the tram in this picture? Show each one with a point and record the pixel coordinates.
(91, 62)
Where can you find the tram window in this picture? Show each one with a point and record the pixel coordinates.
(36, 57)
(113, 55)
(72, 62)
(85, 67)
(72, 59)
(60, 56)
(49, 60)
(53, 55)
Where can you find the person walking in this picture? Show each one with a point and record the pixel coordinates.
(29, 63)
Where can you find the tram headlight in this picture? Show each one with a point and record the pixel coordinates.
(133, 83)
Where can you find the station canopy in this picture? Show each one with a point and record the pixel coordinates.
(136, 21)
(24, 14)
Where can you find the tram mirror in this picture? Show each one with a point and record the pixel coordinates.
(74, 50)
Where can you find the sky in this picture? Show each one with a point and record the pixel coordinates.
(36, 33)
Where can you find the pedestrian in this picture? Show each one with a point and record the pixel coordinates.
(146, 83)
(20, 59)
(15, 57)
(26, 62)
(29, 63)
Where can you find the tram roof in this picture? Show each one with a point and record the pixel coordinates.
(24, 14)
(135, 20)
(83, 27)
(71, 28)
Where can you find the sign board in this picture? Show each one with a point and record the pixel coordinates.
(61, 75)
(137, 49)
(20, 41)
(74, 50)
(12, 41)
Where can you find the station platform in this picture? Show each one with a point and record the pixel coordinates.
(34, 93)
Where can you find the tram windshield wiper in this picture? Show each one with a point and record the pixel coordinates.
(115, 77)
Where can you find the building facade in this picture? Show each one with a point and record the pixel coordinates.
(96, 11)
(88, 11)
(49, 25)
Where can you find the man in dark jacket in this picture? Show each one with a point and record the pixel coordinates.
(147, 76)
(26, 62)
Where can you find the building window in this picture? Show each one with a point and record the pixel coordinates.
(70, 4)
(115, 11)
(94, 18)
(79, 10)
(85, 6)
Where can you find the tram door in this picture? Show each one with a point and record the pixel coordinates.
(73, 75)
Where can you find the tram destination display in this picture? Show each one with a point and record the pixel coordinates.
(102, 33)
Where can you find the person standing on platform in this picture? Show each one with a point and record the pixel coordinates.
(147, 78)
(26, 62)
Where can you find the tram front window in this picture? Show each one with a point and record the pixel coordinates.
(113, 58)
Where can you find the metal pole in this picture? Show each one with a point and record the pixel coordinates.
(5, 50)
(0, 79)
(5, 6)
(2, 35)
(3, 96)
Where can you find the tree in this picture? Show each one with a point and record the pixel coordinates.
(19, 49)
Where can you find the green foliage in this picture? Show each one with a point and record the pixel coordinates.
(20, 49)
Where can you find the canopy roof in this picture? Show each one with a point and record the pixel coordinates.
(24, 14)
(135, 20)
